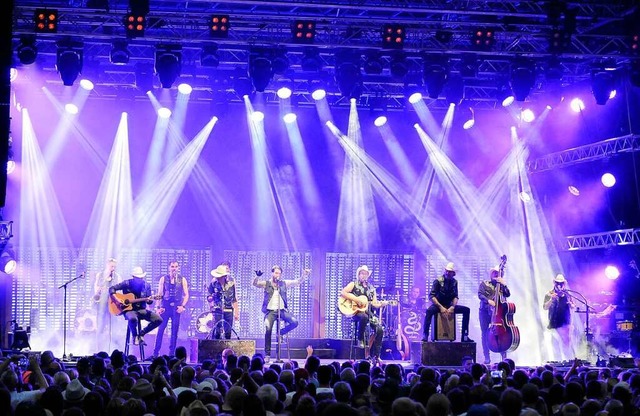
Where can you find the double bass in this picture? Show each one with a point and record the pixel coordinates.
(504, 336)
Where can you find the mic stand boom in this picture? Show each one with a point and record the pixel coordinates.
(64, 314)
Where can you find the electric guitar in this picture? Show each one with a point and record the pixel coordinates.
(124, 302)
(349, 308)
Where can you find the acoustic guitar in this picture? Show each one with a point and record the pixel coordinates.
(125, 301)
(349, 308)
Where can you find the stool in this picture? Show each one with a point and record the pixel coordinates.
(285, 340)
(354, 345)
(444, 328)
(128, 339)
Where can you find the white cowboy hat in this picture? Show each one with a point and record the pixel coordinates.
(363, 268)
(450, 267)
(559, 278)
(219, 271)
(138, 272)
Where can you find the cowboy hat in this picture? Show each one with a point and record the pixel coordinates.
(75, 391)
(363, 268)
(219, 271)
(450, 267)
(559, 278)
(138, 272)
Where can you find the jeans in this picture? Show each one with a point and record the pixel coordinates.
(362, 319)
(269, 319)
(170, 313)
(433, 310)
(142, 314)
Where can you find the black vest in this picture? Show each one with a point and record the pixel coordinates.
(268, 292)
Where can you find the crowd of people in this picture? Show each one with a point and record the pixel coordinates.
(115, 384)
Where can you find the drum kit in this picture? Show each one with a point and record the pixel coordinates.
(401, 323)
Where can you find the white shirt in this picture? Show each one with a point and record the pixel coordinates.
(275, 298)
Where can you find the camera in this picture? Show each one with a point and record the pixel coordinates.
(496, 374)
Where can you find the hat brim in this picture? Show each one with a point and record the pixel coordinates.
(140, 275)
(216, 274)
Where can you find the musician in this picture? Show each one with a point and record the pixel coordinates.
(415, 300)
(487, 296)
(559, 304)
(444, 298)
(223, 301)
(275, 299)
(140, 289)
(173, 290)
(353, 291)
(104, 280)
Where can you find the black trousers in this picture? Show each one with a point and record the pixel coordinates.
(434, 310)
(362, 319)
(270, 319)
(142, 314)
(170, 313)
(223, 323)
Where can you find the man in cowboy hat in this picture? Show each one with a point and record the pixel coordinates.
(487, 295)
(140, 289)
(355, 291)
(444, 295)
(559, 304)
(223, 302)
(173, 290)
(275, 300)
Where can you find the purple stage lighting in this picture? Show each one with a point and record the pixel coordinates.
(318, 94)
(164, 112)
(508, 101)
(284, 93)
(577, 105)
(613, 94)
(608, 180)
(11, 166)
(380, 121)
(185, 89)
(573, 190)
(13, 74)
(86, 84)
(257, 116)
(71, 108)
(415, 97)
(524, 196)
(611, 272)
(289, 118)
(528, 116)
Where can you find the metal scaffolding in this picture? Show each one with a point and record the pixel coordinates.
(629, 236)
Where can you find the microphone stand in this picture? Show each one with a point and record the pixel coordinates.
(64, 314)
(588, 308)
(278, 359)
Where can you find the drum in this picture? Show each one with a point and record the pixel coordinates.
(624, 326)
(411, 323)
(204, 323)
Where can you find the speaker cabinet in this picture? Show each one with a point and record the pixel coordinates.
(211, 349)
(442, 353)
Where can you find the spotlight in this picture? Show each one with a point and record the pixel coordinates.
(398, 65)
(260, 70)
(86, 84)
(144, 77)
(573, 190)
(348, 74)
(504, 95)
(611, 272)
(11, 167)
(483, 39)
(164, 112)
(524, 197)
(257, 116)
(280, 62)
(7, 262)
(608, 180)
(527, 115)
(242, 84)
(71, 108)
(311, 61)
(13, 74)
(119, 53)
(219, 26)
(27, 50)
(415, 97)
(69, 61)
(634, 45)
(289, 118)
(436, 71)
(319, 94)
(168, 64)
(284, 93)
(393, 36)
(303, 31)
(373, 64)
(522, 80)
(135, 24)
(602, 85)
(380, 121)
(185, 89)
(577, 105)
(559, 40)
(209, 56)
(46, 20)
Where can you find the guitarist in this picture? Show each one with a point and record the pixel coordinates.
(173, 291)
(140, 289)
(487, 294)
(359, 288)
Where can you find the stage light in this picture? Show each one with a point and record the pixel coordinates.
(634, 45)
(527, 115)
(260, 70)
(11, 166)
(602, 85)
(415, 97)
(393, 36)
(27, 50)
(608, 180)
(524, 197)
(46, 20)
(454, 90)
(8, 263)
(289, 118)
(380, 121)
(522, 80)
(209, 56)
(219, 26)
(242, 84)
(373, 64)
(311, 61)
(119, 53)
(284, 93)
(611, 272)
(86, 84)
(398, 66)
(436, 71)
(573, 190)
(504, 95)
(185, 89)
(559, 40)
(168, 64)
(164, 112)
(71, 108)
(483, 39)
(280, 61)
(144, 76)
(318, 94)
(135, 23)
(303, 31)
(69, 61)
(613, 94)
(577, 105)
(257, 116)
(348, 73)
(13, 74)
(471, 121)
